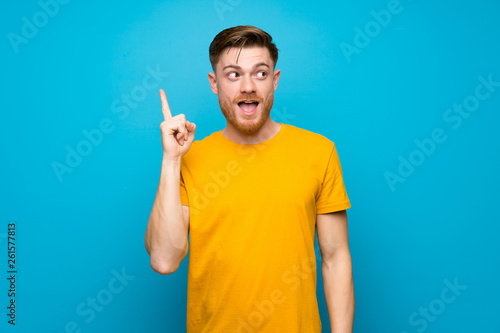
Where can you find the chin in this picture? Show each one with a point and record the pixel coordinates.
(246, 125)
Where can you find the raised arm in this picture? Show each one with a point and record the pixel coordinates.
(166, 237)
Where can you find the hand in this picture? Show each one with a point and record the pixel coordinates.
(177, 134)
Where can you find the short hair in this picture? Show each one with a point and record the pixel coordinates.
(241, 36)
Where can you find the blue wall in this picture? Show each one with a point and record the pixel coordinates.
(400, 87)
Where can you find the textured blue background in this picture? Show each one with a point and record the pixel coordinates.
(87, 63)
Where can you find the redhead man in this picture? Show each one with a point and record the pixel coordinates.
(249, 199)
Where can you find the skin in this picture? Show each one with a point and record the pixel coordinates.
(336, 268)
(166, 238)
(245, 75)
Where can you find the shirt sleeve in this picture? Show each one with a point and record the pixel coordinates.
(183, 192)
(333, 196)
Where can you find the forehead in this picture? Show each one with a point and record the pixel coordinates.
(246, 59)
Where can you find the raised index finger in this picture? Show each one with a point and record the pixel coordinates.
(167, 114)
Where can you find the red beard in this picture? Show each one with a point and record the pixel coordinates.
(247, 126)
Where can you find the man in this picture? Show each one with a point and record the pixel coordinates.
(250, 198)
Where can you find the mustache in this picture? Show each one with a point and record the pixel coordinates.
(246, 98)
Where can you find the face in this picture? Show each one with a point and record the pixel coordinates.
(245, 86)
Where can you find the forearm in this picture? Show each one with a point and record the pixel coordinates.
(339, 292)
(166, 233)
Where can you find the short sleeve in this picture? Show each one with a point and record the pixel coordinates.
(183, 192)
(333, 196)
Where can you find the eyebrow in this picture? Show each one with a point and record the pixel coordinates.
(254, 66)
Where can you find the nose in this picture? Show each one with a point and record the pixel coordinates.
(247, 85)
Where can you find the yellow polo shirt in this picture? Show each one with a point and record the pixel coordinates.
(252, 265)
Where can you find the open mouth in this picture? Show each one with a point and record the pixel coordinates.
(248, 107)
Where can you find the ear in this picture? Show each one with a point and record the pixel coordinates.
(276, 78)
(213, 82)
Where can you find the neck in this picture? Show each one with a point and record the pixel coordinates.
(266, 132)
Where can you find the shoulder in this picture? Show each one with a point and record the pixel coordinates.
(304, 137)
(209, 140)
(203, 147)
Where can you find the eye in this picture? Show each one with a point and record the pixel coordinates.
(261, 74)
(232, 75)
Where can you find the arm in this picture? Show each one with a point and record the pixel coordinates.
(166, 236)
(168, 225)
(336, 269)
